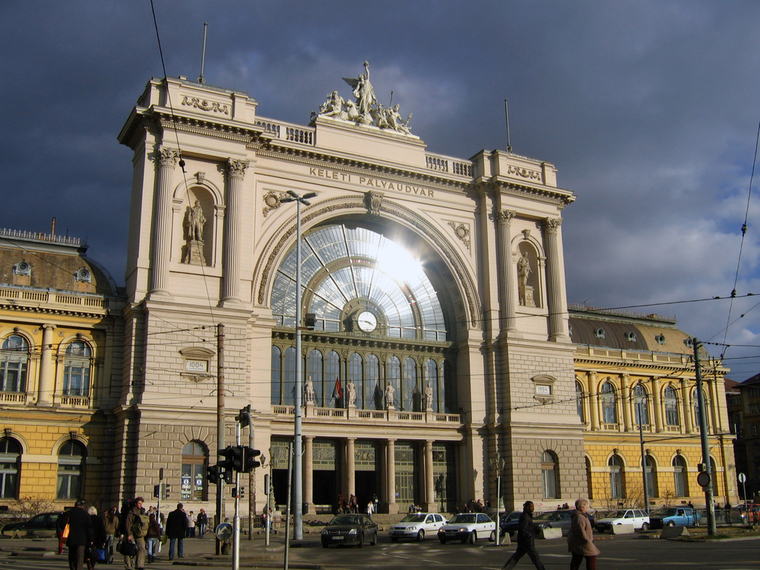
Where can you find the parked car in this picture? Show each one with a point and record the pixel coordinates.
(638, 518)
(468, 527)
(350, 529)
(44, 521)
(555, 519)
(675, 516)
(417, 526)
(509, 523)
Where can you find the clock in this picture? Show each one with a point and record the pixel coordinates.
(366, 321)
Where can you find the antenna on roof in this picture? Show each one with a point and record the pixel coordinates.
(203, 56)
(509, 139)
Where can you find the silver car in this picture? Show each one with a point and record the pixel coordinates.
(417, 526)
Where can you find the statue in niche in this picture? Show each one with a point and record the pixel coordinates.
(194, 224)
(351, 393)
(427, 397)
(309, 391)
(389, 396)
(524, 290)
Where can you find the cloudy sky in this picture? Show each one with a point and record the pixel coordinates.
(649, 109)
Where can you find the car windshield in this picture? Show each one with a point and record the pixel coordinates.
(466, 518)
(617, 515)
(414, 518)
(346, 520)
(512, 516)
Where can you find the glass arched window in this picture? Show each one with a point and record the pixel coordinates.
(650, 476)
(10, 460)
(394, 378)
(372, 382)
(679, 476)
(579, 401)
(641, 411)
(617, 490)
(332, 380)
(549, 474)
(317, 378)
(411, 393)
(194, 463)
(671, 408)
(355, 374)
(609, 403)
(289, 378)
(431, 373)
(71, 458)
(76, 369)
(276, 375)
(14, 358)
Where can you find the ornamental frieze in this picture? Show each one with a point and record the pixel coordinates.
(205, 105)
(524, 173)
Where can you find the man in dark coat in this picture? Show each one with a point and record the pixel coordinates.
(80, 534)
(526, 539)
(176, 528)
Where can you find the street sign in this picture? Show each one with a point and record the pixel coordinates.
(742, 478)
(703, 479)
(224, 531)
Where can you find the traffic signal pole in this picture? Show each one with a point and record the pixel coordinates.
(236, 523)
(708, 489)
(219, 516)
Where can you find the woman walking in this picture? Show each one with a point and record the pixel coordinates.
(580, 540)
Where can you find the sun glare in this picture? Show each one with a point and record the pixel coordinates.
(398, 263)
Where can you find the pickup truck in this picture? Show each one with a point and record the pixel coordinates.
(675, 516)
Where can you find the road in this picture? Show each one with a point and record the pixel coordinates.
(618, 553)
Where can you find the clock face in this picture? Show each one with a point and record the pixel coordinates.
(366, 321)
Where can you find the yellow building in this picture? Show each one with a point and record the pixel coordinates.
(635, 378)
(60, 346)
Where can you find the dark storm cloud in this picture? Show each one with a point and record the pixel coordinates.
(648, 109)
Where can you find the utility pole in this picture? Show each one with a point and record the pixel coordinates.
(707, 467)
(219, 517)
(641, 401)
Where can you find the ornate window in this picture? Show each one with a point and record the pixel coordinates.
(641, 415)
(549, 474)
(394, 378)
(14, 359)
(71, 458)
(609, 403)
(372, 383)
(431, 378)
(617, 491)
(411, 396)
(579, 401)
(276, 375)
(679, 477)
(317, 377)
(194, 463)
(650, 476)
(356, 374)
(332, 370)
(671, 409)
(10, 460)
(697, 418)
(76, 369)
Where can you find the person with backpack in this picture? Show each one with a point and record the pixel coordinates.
(135, 530)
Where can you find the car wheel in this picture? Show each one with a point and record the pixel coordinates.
(421, 536)
(443, 541)
(473, 537)
(671, 523)
(361, 540)
(644, 527)
(492, 538)
(394, 539)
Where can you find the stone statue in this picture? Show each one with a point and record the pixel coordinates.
(523, 271)
(394, 121)
(351, 393)
(333, 107)
(309, 391)
(427, 397)
(364, 93)
(389, 393)
(195, 222)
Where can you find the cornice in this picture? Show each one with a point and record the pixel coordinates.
(544, 193)
(207, 128)
(54, 311)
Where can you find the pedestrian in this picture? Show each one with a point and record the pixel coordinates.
(191, 525)
(370, 509)
(135, 530)
(151, 537)
(98, 537)
(580, 539)
(176, 529)
(200, 522)
(80, 534)
(111, 524)
(526, 539)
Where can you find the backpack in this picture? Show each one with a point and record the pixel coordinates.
(140, 526)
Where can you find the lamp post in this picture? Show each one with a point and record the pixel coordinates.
(640, 403)
(497, 463)
(297, 440)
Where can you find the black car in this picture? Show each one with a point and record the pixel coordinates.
(555, 519)
(44, 521)
(508, 523)
(350, 529)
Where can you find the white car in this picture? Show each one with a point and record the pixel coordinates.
(468, 527)
(417, 526)
(638, 518)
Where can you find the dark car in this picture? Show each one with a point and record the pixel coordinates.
(509, 523)
(349, 529)
(555, 519)
(44, 521)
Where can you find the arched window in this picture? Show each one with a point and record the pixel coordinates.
(617, 491)
(431, 373)
(70, 470)
(589, 481)
(372, 382)
(579, 401)
(194, 463)
(641, 415)
(549, 474)
(679, 477)
(76, 369)
(394, 378)
(14, 356)
(671, 408)
(355, 373)
(276, 376)
(697, 419)
(289, 378)
(650, 476)
(609, 403)
(332, 376)
(10, 460)
(411, 393)
(315, 371)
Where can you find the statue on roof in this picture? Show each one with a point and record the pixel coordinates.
(364, 93)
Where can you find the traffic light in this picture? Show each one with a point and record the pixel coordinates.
(167, 490)
(250, 463)
(232, 457)
(228, 476)
(157, 490)
(213, 473)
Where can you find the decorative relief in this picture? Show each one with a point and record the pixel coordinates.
(236, 168)
(373, 201)
(505, 216)
(168, 156)
(205, 105)
(551, 225)
(272, 201)
(524, 173)
(462, 231)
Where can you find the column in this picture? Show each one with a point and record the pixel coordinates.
(350, 467)
(507, 280)
(625, 397)
(47, 372)
(308, 472)
(430, 505)
(555, 293)
(686, 407)
(714, 407)
(233, 227)
(390, 470)
(162, 221)
(656, 406)
(593, 401)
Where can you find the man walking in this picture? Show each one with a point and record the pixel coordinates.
(136, 529)
(80, 534)
(176, 529)
(526, 536)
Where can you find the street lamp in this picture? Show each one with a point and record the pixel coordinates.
(298, 459)
(641, 401)
(497, 463)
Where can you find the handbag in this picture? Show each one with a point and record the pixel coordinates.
(65, 533)
(100, 555)
(128, 548)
